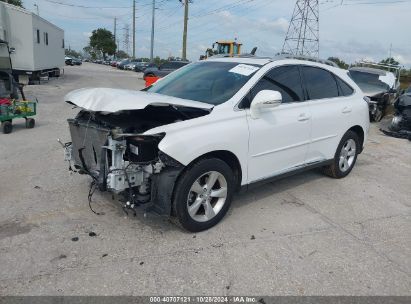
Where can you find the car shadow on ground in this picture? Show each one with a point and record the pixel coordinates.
(243, 199)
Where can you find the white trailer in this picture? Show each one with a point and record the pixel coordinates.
(37, 46)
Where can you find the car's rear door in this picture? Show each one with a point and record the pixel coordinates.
(330, 101)
(279, 138)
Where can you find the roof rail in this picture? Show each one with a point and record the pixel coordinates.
(308, 58)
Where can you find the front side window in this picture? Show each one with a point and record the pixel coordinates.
(285, 79)
(209, 82)
(319, 83)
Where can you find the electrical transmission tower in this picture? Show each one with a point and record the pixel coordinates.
(303, 32)
(126, 41)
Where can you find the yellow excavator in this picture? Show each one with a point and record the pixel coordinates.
(225, 48)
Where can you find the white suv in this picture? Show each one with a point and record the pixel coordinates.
(183, 146)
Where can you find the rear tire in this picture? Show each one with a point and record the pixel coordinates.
(7, 127)
(203, 194)
(30, 123)
(345, 156)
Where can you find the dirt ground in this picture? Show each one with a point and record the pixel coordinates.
(303, 235)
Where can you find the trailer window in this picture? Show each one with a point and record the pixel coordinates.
(62, 45)
(38, 36)
(46, 38)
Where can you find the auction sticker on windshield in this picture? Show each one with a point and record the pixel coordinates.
(244, 69)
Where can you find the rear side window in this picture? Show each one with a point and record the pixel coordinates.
(345, 89)
(319, 83)
(285, 80)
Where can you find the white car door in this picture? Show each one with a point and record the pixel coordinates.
(330, 102)
(280, 136)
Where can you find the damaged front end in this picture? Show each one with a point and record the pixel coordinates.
(400, 125)
(108, 143)
(122, 163)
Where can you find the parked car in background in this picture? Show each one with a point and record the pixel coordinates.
(122, 64)
(135, 63)
(129, 66)
(379, 85)
(164, 69)
(141, 66)
(77, 61)
(113, 63)
(68, 60)
(185, 145)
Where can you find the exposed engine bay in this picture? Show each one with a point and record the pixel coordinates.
(112, 149)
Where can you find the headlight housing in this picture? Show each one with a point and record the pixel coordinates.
(142, 148)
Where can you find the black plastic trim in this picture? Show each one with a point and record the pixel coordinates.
(253, 185)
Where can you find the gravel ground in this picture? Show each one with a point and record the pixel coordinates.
(303, 235)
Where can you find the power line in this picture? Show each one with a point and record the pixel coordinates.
(83, 6)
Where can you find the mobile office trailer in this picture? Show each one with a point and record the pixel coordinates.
(36, 45)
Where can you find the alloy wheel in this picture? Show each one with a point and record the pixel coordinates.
(207, 196)
(347, 155)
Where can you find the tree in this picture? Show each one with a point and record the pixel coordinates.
(14, 2)
(390, 61)
(121, 54)
(103, 40)
(339, 62)
(72, 53)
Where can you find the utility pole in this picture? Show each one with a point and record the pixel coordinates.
(185, 29)
(134, 28)
(37, 7)
(115, 28)
(303, 35)
(152, 32)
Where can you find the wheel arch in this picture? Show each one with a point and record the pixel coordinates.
(229, 158)
(360, 133)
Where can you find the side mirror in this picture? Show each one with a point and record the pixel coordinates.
(264, 99)
(12, 50)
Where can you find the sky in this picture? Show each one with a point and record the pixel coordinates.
(354, 30)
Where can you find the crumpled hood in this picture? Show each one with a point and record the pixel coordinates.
(114, 100)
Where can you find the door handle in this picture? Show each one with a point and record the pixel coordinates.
(303, 117)
(346, 110)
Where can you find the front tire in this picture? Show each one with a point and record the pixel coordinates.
(7, 126)
(345, 156)
(203, 194)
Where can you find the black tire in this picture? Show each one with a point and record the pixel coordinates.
(334, 169)
(182, 192)
(149, 75)
(30, 123)
(7, 127)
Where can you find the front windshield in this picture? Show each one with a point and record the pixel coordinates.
(223, 49)
(368, 80)
(209, 82)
